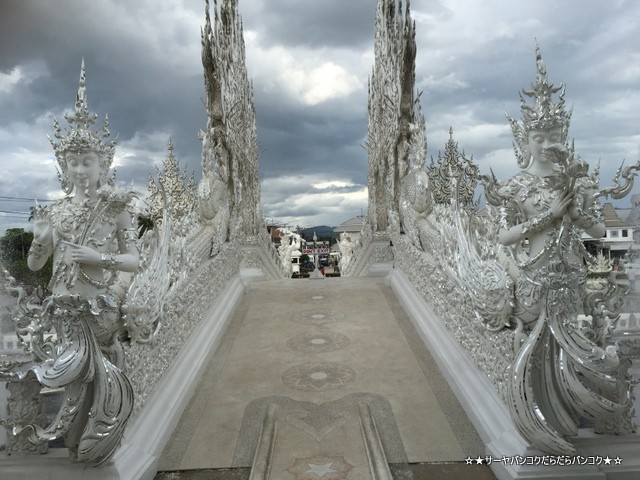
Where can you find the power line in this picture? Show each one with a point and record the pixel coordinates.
(18, 213)
(23, 199)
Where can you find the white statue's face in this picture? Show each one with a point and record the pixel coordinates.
(538, 140)
(422, 194)
(83, 169)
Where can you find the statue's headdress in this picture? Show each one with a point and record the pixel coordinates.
(79, 137)
(544, 114)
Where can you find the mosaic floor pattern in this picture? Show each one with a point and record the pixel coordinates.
(319, 342)
(318, 421)
(314, 348)
(318, 376)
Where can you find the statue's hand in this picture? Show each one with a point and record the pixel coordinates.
(583, 199)
(560, 205)
(574, 212)
(42, 226)
(83, 255)
(42, 232)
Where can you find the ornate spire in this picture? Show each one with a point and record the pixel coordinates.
(454, 176)
(78, 136)
(173, 183)
(396, 139)
(543, 114)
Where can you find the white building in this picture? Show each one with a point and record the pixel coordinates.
(620, 224)
(353, 227)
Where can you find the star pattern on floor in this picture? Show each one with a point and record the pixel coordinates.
(320, 468)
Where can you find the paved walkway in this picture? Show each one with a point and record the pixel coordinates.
(316, 354)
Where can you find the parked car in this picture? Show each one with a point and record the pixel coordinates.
(306, 267)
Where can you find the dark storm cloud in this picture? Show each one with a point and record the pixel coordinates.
(311, 139)
(315, 25)
(309, 61)
(127, 75)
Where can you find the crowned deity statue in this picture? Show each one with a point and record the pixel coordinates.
(91, 236)
(560, 374)
(213, 189)
(416, 205)
(347, 246)
(286, 247)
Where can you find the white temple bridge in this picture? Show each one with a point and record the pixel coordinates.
(428, 358)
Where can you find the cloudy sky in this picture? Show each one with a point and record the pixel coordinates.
(309, 61)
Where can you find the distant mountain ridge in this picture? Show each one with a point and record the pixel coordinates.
(322, 232)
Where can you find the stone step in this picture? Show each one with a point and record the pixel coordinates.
(407, 471)
(319, 453)
(206, 474)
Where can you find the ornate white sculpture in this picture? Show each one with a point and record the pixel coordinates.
(454, 177)
(415, 199)
(174, 185)
(602, 266)
(529, 290)
(415, 206)
(465, 242)
(97, 308)
(76, 335)
(290, 245)
(229, 191)
(392, 120)
(285, 248)
(346, 246)
(560, 373)
(396, 138)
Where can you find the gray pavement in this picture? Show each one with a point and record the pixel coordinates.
(314, 351)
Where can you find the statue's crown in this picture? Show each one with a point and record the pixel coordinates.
(543, 114)
(79, 137)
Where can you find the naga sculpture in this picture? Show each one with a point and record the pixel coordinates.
(391, 111)
(416, 196)
(229, 192)
(76, 335)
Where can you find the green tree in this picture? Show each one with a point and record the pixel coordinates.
(145, 222)
(14, 250)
